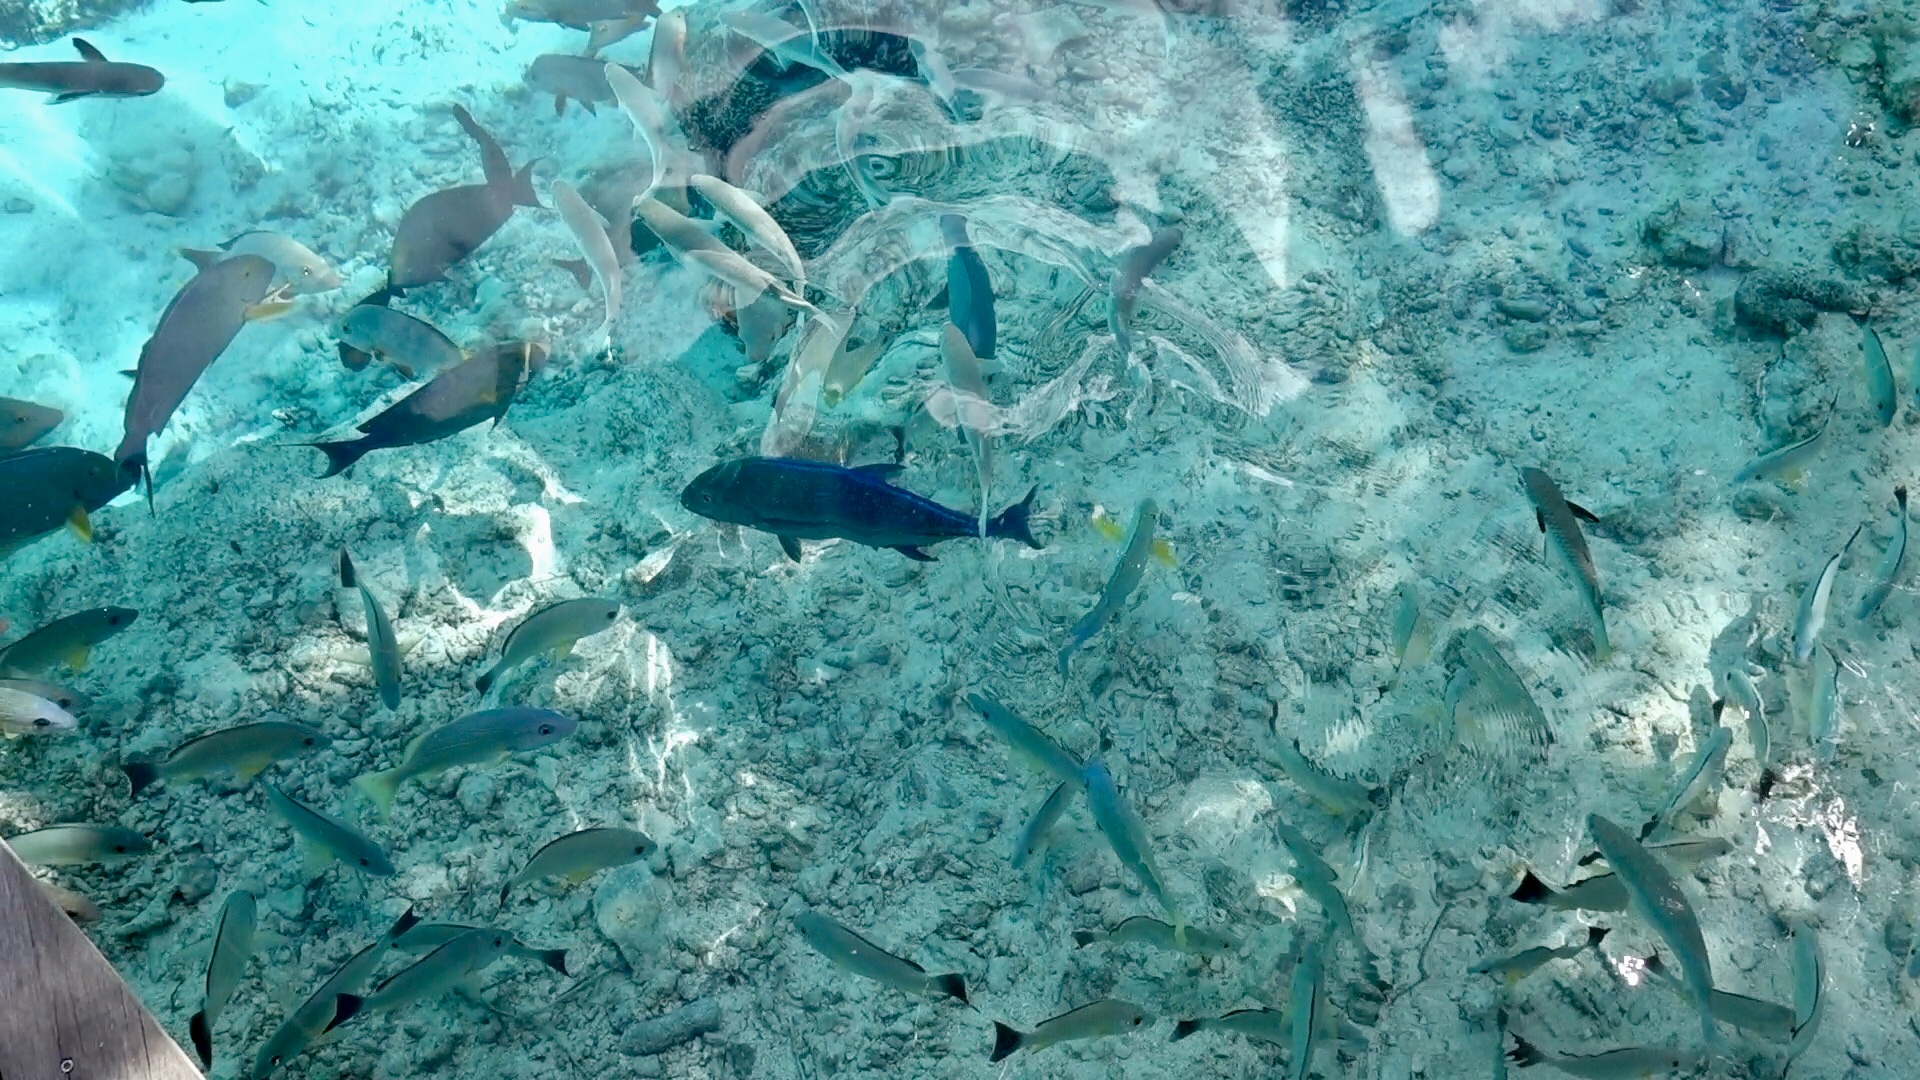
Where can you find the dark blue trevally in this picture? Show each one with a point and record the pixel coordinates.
(812, 500)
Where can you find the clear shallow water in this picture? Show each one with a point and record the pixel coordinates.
(1419, 249)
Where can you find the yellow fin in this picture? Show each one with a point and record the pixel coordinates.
(578, 876)
(1163, 551)
(1107, 525)
(76, 657)
(82, 527)
(268, 310)
(560, 650)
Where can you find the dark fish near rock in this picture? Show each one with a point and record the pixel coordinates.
(448, 225)
(572, 78)
(93, 75)
(476, 389)
(969, 292)
(811, 500)
(67, 640)
(23, 422)
(45, 488)
(579, 13)
(203, 319)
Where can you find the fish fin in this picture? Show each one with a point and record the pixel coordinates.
(939, 299)
(345, 1007)
(952, 985)
(314, 860)
(1163, 552)
(381, 787)
(346, 570)
(560, 651)
(1005, 1041)
(914, 552)
(581, 272)
(82, 527)
(1084, 938)
(556, 959)
(88, 52)
(76, 657)
(885, 470)
(202, 1037)
(341, 455)
(1595, 935)
(268, 310)
(141, 775)
(71, 95)
(199, 258)
(1524, 1053)
(559, 104)
(506, 890)
(353, 359)
(1011, 523)
(1583, 513)
(487, 679)
(588, 105)
(791, 546)
(1108, 527)
(244, 774)
(520, 187)
(1540, 520)
(131, 373)
(1531, 890)
(1184, 1028)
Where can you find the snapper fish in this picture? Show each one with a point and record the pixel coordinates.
(241, 752)
(298, 270)
(480, 388)
(851, 952)
(67, 640)
(1092, 1021)
(480, 738)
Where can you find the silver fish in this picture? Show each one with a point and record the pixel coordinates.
(1035, 832)
(1146, 930)
(1566, 545)
(1654, 896)
(446, 968)
(1742, 692)
(1809, 990)
(1129, 273)
(1128, 836)
(972, 408)
(1790, 462)
(1887, 573)
(579, 855)
(76, 845)
(1336, 795)
(22, 713)
(1317, 879)
(589, 231)
(66, 697)
(1738, 1010)
(232, 948)
(1628, 1063)
(1701, 774)
(315, 1015)
(1028, 742)
(754, 222)
(1879, 374)
(478, 738)
(552, 630)
(1511, 969)
(1823, 708)
(1126, 577)
(298, 271)
(426, 937)
(1307, 1007)
(241, 752)
(381, 644)
(1812, 616)
(1092, 1021)
(849, 951)
(325, 838)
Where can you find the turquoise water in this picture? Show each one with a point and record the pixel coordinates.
(943, 482)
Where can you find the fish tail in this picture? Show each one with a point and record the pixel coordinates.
(381, 787)
(1005, 1041)
(487, 679)
(1183, 1029)
(1011, 524)
(1602, 646)
(1595, 935)
(202, 1035)
(345, 1008)
(555, 959)
(953, 986)
(141, 775)
(346, 570)
(340, 455)
(519, 187)
(1531, 890)
(1084, 938)
(1524, 1053)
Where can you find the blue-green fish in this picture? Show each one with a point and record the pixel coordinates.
(1128, 836)
(552, 631)
(1567, 546)
(325, 838)
(1126, 577)
(429, 936)
(1028, 742)
(1035, 832)
(381, 644)
(479, 738)
(1654, 896)
(581, 854)
(1887, 573)
(851, 952)
(446, 968)
(315, 1015)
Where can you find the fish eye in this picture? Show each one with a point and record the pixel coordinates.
(41, 721)
(546, 729)
(612, 615)
(364, 862)
(308, 742)
(640, 849)
(306, 271)
(1135, 1021)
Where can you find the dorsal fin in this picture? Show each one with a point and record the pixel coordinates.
(885, 470)
(88, 52)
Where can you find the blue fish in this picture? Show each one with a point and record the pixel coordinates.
(812, 500)
(969, 292)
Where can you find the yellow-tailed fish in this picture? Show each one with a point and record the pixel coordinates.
(552, 631)
(68, 640)
(232, 948)
(1511, 969)
(1316, 878)
(1887, 573)
(77, 845)
(324, 838)
(1307, 1008)
(1812, 616)
(1146, 930)
(579, 855)
(1091, 1021)
(1654, 896)
(315, 1015)
(449, 967)
(381, 644)
(66, 697)
(1028, 743)
(1628, 1063)
(1567, 546)
(240, 752)
(478, 738)
(1035, 832)
(849, 951)
(1809, 990)
(22, 713)
(429, 936)
(1879, 375)
(1127, 835)
(1126, 577)
(1789, 463)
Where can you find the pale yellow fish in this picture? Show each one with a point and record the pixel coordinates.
(589, 231)
(754, 222)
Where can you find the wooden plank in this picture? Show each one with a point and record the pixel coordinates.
(65, 1014)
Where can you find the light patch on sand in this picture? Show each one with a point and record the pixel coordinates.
(1401, 168)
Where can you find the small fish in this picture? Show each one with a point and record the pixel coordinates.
(754, 223)
(579, 855)
(66, 697)
(444, 227)
(22, 713)
(428, 936)
(1127, 835)
(1337, 796)
(1789, 463)
(297, 270)
(93, 75)
(78, 907)
(571, 78)
(1127, 574)
(1654, 896)
(972, 408)
(447, 968)
(969, 290)
(1029, 743)
(552, 631)
(1307, 1007)
(1037, 827)
(578, 14)
(748, 281)
(589, 231)
(1742, 692)
(851, 952)
(325, 839)
(69, 640)
(1098, 1019)
(1412, 633)
(1603, 891)
(1145, 930)
(312, 1018)
(48, 487)
(1746, 1013)
(1809, 990)
(796, 499)
(797, 405)
(199, 323)
(1316, 878)
(1565, 545)
(1879, 374)
(478, 738)
(23, 422)
(652, 118)
(241, 752)
(604, 32)
(1700, 776)
(1511, 969)
(1130, 271)
(1812, 616)
(480, 388)
(673, 228)
(785, 42)
(1823, 705)
(232, 948)
(1629, 1063)
(412, 345)
(382, 646)
(667, 53)
(77, 845)
(1887, 573)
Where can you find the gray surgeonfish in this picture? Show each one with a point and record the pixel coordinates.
(198, 325)
(552, 631)
(46, 487)
(23, 423)
(93, 75)
(446, 226)
(477, 389)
